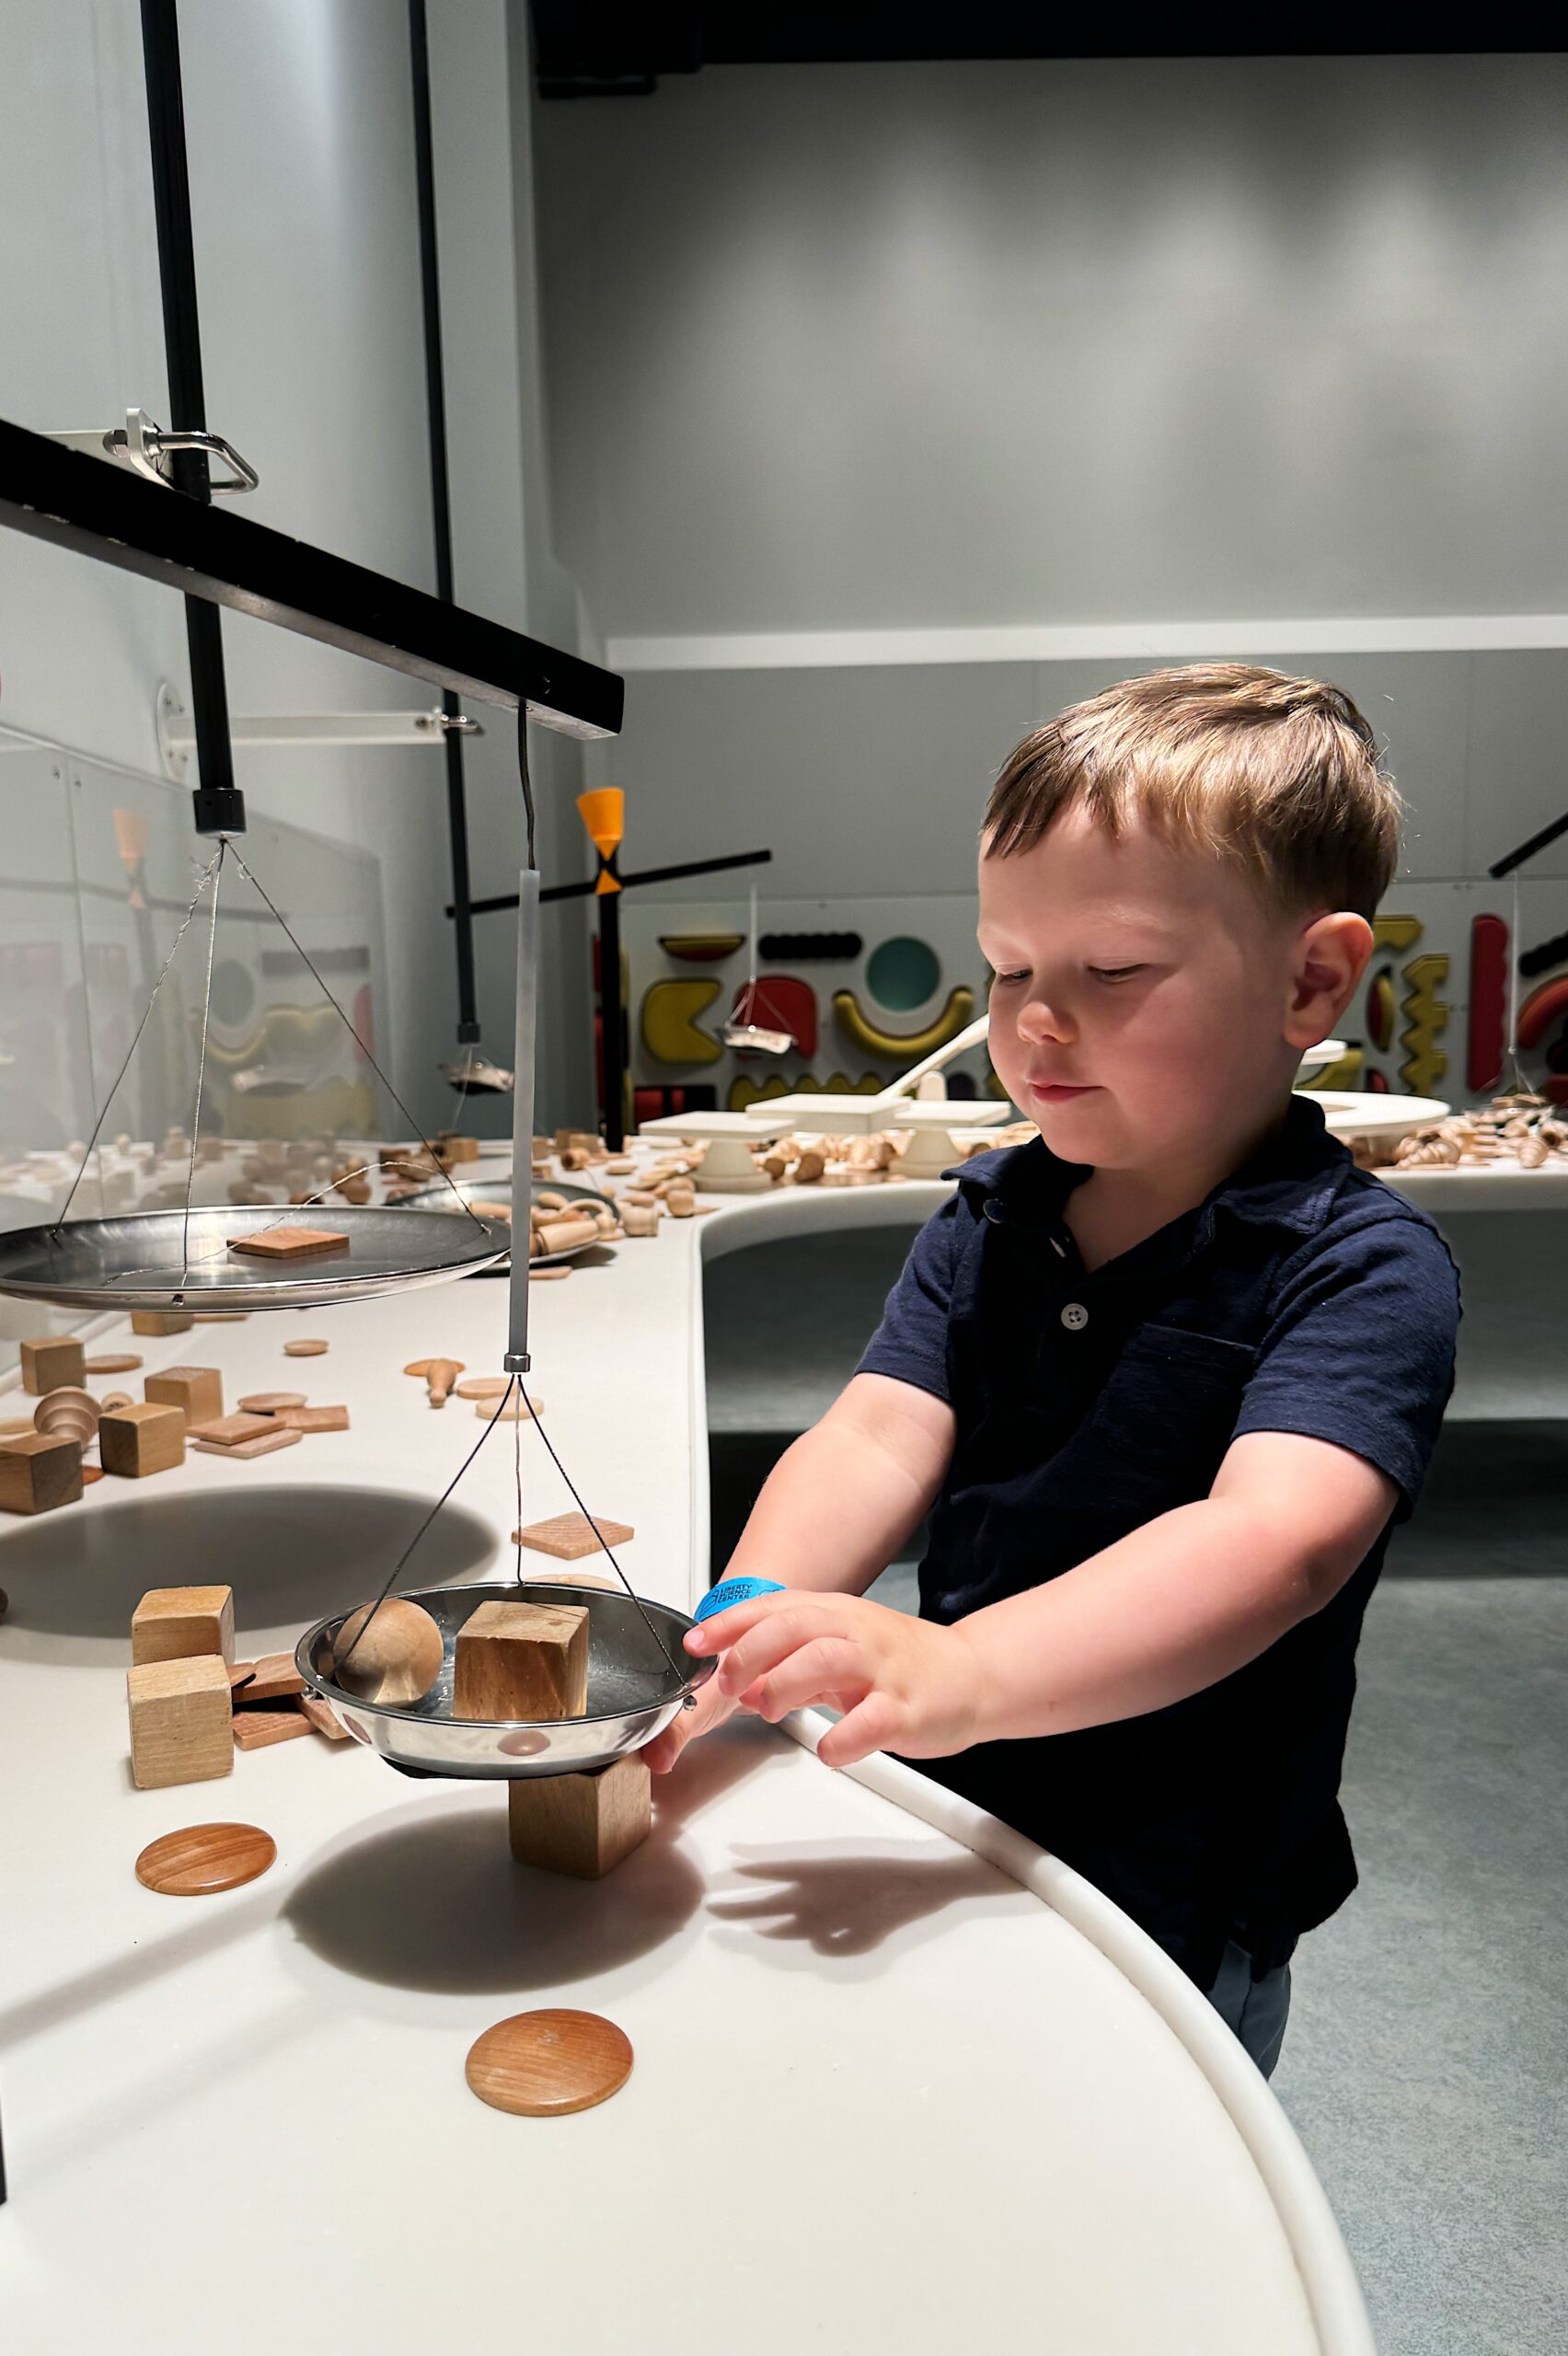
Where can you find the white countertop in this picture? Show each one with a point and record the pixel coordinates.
(900, 2083)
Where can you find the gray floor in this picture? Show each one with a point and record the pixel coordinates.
(1427, 2061)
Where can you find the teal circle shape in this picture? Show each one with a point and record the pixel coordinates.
(903, 973)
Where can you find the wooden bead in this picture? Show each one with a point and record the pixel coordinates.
(546, 2064)
(399, 1658)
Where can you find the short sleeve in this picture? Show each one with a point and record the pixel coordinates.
(1360, 1349)
(910, 1343)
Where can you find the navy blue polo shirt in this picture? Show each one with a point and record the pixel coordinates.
(1301, 1296)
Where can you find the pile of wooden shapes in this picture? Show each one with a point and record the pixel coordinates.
(272, 1704)
(192, 1705)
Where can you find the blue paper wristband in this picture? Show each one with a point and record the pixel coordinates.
(729, 1592)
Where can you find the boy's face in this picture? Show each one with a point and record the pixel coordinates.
(1143, 995)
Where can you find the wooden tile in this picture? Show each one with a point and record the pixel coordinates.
(267, 1403)
(273, 1679)
(323, 1718)
(265, 1444)
(240, 1672)
(509, 1410)
(484, 1386)
(53, 1364)
(312, 1419)
(180, 1722)
(259, 1729)
(570, 1535)
(545, 2064)
(289, 1242)
(196, 1391)
(522, 1660)
(114, 1362)
(205, 1858)
(226, 1431)
(37, 1471)
(180, 1622)
(583, 1825)
(305, 1349)
(138, 1440)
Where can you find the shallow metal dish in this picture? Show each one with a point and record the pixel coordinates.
(632, 1692)
(438, 1197)
(138, 1261)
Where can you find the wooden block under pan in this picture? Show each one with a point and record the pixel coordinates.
(264, 1444)
(289, 1242)
(583, 1825)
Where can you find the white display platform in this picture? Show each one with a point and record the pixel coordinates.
(900, 2083)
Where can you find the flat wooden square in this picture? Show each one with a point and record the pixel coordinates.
(226, 1431)
(570, 1535)
(289, 1242)
(274, 1678)
(259, 1729)
(312, 1419)
(265, 1443)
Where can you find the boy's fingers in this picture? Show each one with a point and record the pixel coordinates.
(870, 1726)
(762, 1648)
(822, 1671)
(716, 1635)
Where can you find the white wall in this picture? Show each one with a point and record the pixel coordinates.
(847, 347)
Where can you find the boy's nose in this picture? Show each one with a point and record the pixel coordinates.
(1040, 1021)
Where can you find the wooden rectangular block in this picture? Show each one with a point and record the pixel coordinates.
(182, 1622)
(323, 1718)
(570, 1535)
(289, 1242)
(162, 1320)
(259, 1729)
(226, 1431)
(274, 1678)
(57, 1362)
(180, 1722)
(37, 1471)
(522, 1660)
(138, 1440)
(196, 1391)
(264, 1444)
(580, 1824)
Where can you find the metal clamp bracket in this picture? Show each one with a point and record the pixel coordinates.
(143, 444)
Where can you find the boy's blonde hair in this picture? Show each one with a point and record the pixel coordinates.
(1279, 775)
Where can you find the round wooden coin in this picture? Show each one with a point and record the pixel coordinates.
(305, 1349)
(115, 1362)
(267, 1403)
(205, 1858)
(544, 2064)
(484, 1386)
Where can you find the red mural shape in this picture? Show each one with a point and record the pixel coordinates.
(1487, 1002)
(779, 1003)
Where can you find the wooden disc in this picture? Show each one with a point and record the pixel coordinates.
(267, 1403)
(205, 1858)
(484, 1386)
(305, 1349)
(543, 2064)
(116, 1362)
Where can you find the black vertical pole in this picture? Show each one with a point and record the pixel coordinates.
(441, 504)
(219, 804)
(612, 1042)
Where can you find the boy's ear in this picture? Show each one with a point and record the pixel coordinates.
(1331, 957)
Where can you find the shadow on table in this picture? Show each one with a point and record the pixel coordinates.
(849, 1902)
(431, 1898)
(292, 1554)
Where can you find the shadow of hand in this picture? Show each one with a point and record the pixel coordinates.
(849, 1904)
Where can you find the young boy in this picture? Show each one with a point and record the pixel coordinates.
(1164, 1377)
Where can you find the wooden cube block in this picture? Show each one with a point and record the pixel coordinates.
(180, 1722)
(138, 1440)
(196, 1391)
(522, 1660)
(58, 1362)
(183, 1623)
(580, 1824)
(162, 1320)
(37, 1471)
(570, 1535)
(289, 1242)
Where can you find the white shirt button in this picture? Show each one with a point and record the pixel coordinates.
(1075, 1317)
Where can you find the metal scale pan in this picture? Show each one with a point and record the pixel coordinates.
(438, 1197)
(632, 1693)
(147, 1260)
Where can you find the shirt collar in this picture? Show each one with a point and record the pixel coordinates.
(1288, 1181)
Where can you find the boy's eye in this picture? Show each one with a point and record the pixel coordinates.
(1114, 973)
(1012, 979)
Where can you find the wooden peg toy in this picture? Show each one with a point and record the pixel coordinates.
(180, 1722)
(583, 1825)
(196, 1391)
(522, 1660)
(289, 1242)
(54, 1363)
(570, 1535)
(399, 1658)
(162, 1320)
(113, 1400)
(305, 1349)
(179, 1622)
(68, 1414)
(438, 1375)
(139, 1440)
(37, 1471)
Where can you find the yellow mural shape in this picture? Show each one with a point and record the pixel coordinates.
(1395, 932)
(669, 1010)
(1425, 1062)
(909, 1046)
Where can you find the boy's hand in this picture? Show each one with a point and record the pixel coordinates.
(712, 1708)
(903, 1684)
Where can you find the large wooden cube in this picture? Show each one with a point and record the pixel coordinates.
(139, 1440)
(56, 1362)
(37, 1471)
(162, 1320)
(180, 1622)
(180, 1722)
(522, 1660)
(196, 1391)
(580, 1824)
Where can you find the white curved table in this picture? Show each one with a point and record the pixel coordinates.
(901, 2081)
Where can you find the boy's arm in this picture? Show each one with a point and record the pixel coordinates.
(1170, 1609)
(833, 1513)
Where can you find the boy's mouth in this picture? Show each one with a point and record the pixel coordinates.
(1054, 1092)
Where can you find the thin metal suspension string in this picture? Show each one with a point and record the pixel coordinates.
(675, 1666)
(315, 976)
(147, 1012)
(200, 1066)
